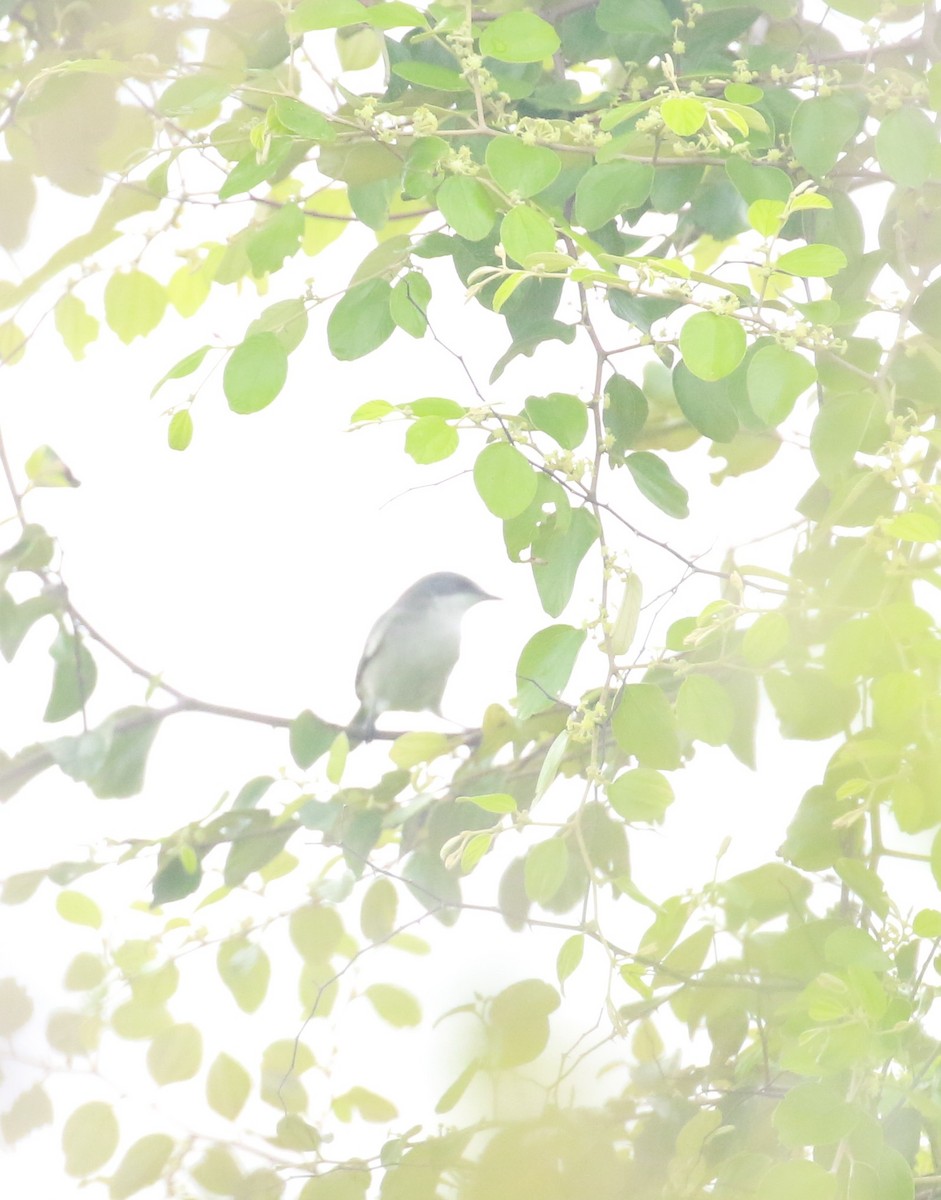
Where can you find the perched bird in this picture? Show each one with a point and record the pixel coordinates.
(411, 650)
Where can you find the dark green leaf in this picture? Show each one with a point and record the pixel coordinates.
(655, 480)
(707, 406)
(132, 733)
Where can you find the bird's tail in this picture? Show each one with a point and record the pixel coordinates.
(362, 728)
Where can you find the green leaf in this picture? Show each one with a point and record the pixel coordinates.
(704, 709)
(775, 379)
(249, 171)
(287, 319)
(78, 909)
(816, 260)
(141, 1166)
(655, 480)
(327, 14)
(316, 932)
(764, 893)
(852, 947)
(637, 17)
(495, 802)
(44, 468)
(505, 480)
(641, 794)
(132, 732)
(134, 304)
(303, 120)
(179, 875)
(569, 956)
(309, 739)
(274, 239)
(372, 410)
(369, 1105)
(786, 1180)
(245, 970)
(378, 911)
(525, 231)
(218, 1172)
(757, 183)
(394, 14)
(467, 206)
(30, 1110)
(707, 406)
(712, 344)
(907, 146)
(227, 1086)
(766, 639)
(430, 439)
(545, 869)
(431, 75)
(74, 324)
(180, 430)
(913, 527)
(518, 1022)
(193, 93)
(839, 428)
(814, 1114)
(519, 37)
(255, 373)
(809, 705)
(408, 303)
(563, 416)
(17, 200)
(683, 114)
(175, 1054)
(394, 1004)
(521, 168)
(766, 216)
(434, 406)
(433, 885)
(545, 666)
(820, 129)
(608, 189)
(419, 747)
(253, 853)
(361, 320)
(16, 1008)
(926, 311)
(644, 725)
(73, 679)
(89, 1138)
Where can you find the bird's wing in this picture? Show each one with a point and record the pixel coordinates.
(373, 642)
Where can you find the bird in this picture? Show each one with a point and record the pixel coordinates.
(411, 650)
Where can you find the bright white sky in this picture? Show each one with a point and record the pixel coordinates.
(247, 571)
